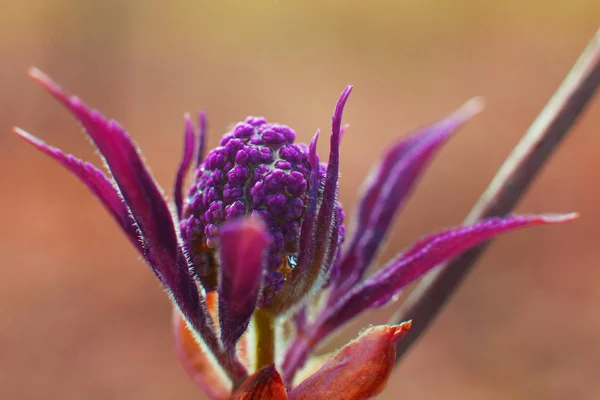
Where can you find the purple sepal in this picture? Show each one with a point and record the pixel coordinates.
(139, 190)
(316, 233)
(325, 226)
(147, 205)
(334, 241)
(327, 211)
(95, 180)
(386, 188)
(424, 255)
(189, 147)
(306, 230)
(242, 248)
(296, 288)
(149, 210)
(201, 153)
(185, 295)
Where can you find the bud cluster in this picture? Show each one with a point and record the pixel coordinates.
(256, 170)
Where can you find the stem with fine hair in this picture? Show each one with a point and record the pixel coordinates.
(508, 186)
(264, 324)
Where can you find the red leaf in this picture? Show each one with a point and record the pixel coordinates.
(360, 370)
(265, 384)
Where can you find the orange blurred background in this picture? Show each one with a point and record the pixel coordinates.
(82, 317)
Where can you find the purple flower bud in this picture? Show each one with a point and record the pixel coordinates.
(231, 193)
(226, 138)
(276, 204)
(272, 137)
(274, 181)
(232, 147)
(257, 170)
(256, 121)
(290, 153)
(235, 210)
(266, 155)
(243, 157)
(243, 131)
(238, 175)
(283, 165)
(295, 183)
(258, 193)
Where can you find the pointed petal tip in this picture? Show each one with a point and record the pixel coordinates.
(263, 384)
(202, 122)
(23, 133)
(471, 108)
(42, 78)
(313, 143)
(56, 90)
(189, 132)
(29, 138)
(400, 330)
(558, 218)
(342, 100)
(359, 370)
(37, 74)
(344, 129)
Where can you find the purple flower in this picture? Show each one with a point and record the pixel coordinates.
(255, 245)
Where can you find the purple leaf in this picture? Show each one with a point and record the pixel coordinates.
(306, 232)
(316, 233)
(326, 226)
(189, 146)
(306, 238)
(147, 205)
(199, 363)
(328, 202)
(386, 189)
(333, 245)
(300, 279)
(95, 180)
(242, 247)
(139, 190)
(419, 259)
(201, 139)
(310, 265)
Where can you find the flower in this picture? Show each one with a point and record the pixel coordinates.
(252, 257)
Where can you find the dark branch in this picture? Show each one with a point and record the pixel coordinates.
(508, 186)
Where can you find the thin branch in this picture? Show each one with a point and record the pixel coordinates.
(507, 187)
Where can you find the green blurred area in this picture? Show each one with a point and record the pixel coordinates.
(81, 317)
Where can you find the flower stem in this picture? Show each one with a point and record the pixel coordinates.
(264, 324)
(507, 187)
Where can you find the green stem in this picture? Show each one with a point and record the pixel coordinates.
(264, 324)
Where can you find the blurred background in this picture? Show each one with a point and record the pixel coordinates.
(82, 317)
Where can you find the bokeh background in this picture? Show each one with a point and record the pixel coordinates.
(82, 318)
